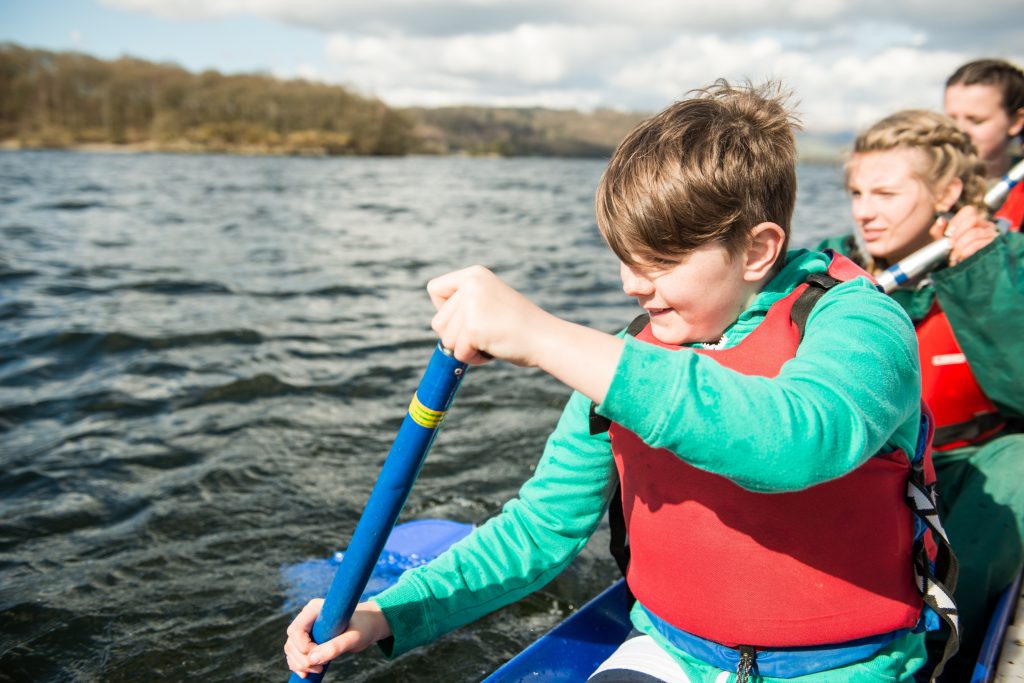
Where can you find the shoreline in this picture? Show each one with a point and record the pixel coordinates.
(813, 156)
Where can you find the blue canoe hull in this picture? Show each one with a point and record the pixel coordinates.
(573, 649)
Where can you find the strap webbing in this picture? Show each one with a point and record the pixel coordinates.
(937, 582)
(818, 284)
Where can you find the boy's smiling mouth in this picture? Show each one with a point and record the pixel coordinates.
(657, 311)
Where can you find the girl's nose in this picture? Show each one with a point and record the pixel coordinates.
(863, 209)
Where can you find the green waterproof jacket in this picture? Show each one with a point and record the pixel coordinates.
(983, 297)
(852, 390)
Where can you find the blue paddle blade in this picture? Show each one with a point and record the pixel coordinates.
(410, 544)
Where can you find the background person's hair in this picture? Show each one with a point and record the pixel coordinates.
(998, 73)
(942, 152)
(703, 171)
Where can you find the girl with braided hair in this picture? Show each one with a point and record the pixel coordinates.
(907, 175)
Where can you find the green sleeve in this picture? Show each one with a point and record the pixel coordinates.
(852, 390)
(515, 553)
(983, 298)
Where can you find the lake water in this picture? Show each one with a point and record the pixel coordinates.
(203, 361)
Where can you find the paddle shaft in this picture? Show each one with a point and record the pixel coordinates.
(432, 399)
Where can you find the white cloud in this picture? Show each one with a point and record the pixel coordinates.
(849, 62)
(523, 59)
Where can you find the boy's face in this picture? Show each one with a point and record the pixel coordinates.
(892, 206)
(692, 300)
(978, 111)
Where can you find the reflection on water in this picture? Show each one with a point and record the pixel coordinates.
(203, 361)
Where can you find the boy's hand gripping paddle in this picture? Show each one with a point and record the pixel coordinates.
(429, 404)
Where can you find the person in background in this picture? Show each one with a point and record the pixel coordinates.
(763, 419)
(906, 174)
(985, 98)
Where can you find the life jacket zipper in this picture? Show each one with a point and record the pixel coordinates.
(746, 665)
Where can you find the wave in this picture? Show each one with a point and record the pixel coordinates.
(79, 342)
(71, 205)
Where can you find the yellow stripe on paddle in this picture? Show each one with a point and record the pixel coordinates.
(424, 416)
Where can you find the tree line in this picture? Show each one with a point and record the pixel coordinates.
(68, 99)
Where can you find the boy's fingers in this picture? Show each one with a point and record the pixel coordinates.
(349, 641)
(443, 318)
(298, 661)
(298, 630)
(441, 288)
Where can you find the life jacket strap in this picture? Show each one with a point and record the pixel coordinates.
(819, 283)
(973, 431)
(935, 581)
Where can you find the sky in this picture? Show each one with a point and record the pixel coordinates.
(848, 62)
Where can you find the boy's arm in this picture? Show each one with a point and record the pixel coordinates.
(517, 552)
(853, 388)
(983, 296)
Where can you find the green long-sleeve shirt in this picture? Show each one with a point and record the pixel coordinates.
(851, 391)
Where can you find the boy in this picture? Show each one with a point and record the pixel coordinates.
(758, 516)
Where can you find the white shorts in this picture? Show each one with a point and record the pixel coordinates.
(640, 660)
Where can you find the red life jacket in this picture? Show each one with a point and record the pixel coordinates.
(1013, 207)
(828, 564)
(963, 413)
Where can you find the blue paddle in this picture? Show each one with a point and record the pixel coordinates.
(429, 404)
(410, 545)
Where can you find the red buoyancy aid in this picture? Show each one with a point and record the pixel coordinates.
(963, 413)
(828, 564)
(1013, 207)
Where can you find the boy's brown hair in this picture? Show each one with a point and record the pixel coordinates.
(703, 171)
(998, 73)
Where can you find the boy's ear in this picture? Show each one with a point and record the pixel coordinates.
(764, 251)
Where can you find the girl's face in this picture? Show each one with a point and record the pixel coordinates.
(892, 206)
(978, 111)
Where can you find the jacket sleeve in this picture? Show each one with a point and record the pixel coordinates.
(983, 298)
(516, 552)
(853, 389)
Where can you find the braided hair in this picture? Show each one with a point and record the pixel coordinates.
(944, 152)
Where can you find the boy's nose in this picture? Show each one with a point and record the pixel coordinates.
(633, 282)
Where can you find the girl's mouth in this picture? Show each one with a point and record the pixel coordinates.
(653, 312)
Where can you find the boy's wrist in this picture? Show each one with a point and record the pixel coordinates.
(578, 356)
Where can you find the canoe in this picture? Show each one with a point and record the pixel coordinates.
(573, 649)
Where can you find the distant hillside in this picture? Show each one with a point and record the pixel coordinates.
(520, 132)
(64, 99)
(67, 99)
(559, 133)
